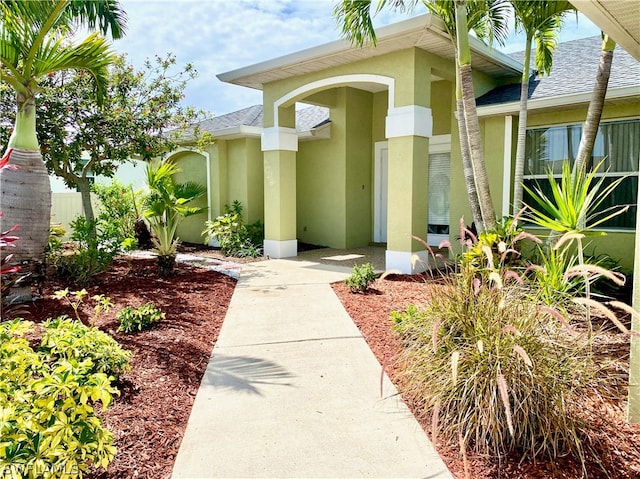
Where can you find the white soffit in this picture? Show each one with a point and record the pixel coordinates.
(424, 31)
(620, 19)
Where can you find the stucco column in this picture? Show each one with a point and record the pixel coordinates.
(408, 129)
(280, 145)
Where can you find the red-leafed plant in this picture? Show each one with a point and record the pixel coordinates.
(7, 307)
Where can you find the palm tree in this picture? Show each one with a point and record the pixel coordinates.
(594, 113)
(540, 20)
(487, 18)
(166, 207)
(34, 42)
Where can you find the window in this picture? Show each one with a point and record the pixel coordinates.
(617, 142)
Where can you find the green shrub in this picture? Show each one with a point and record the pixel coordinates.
(139, 318)
(93, 255)
(235, 238)
(495, 368)
(361, 278)
(117, 212)
(49, 427)
(70, 340)
(56, 233)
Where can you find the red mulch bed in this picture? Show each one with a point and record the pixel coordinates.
(149, 418)
(619, 442)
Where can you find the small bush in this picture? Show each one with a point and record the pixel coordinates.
(361, 278)
(117, 211)
(49, 427)
(235, 238)
(139, 318)
(56, 233)
(96, 351)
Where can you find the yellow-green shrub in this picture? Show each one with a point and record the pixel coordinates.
(48, 426)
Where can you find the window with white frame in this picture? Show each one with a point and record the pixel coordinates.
(617, 142)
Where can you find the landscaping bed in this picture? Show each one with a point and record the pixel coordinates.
(149, 417)
(618, 442)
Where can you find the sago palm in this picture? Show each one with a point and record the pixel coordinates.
(35, 42)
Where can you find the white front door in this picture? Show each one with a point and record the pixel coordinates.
(381, 183)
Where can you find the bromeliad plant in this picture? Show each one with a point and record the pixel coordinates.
(166, 206)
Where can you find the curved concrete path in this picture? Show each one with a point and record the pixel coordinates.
(293, 391)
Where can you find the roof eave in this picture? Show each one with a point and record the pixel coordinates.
(599, 14)
(513, 107)
(241, 76)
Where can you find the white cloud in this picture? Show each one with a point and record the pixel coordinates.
(222, 35)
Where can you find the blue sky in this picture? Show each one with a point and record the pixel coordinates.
(221, 35)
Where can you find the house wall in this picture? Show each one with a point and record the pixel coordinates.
(245, 177)
(359, 167)
(194, 168)
(618, 244)
(335, 177)
(399, 65)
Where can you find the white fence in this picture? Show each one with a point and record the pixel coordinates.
(65, 207)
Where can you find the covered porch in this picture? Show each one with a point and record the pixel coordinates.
(384, 173)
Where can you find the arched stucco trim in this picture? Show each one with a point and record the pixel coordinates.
(207, 157)
(340, 80)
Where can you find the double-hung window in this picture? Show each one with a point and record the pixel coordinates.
(617, 143)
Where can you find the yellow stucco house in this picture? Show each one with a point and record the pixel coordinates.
(353, 146)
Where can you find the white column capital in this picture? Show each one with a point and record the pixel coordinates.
(410, 120)
(279, 138)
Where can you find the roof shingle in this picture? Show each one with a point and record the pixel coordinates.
(575, 64)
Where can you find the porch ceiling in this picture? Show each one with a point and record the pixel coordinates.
(425, 32)
(620, 19)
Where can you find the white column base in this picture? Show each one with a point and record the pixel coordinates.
(280, 249)
(406, 262)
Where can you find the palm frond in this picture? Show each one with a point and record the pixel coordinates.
(546, 39)
(355, 21)
(105, 15)
(93, 55)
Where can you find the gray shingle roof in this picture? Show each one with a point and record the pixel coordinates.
(306, 118)
(575, 64)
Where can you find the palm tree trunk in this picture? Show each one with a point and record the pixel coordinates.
(594, 113)
(471, 120)
(24, 131)
(26, 201)
(467, 167)
(518, 174)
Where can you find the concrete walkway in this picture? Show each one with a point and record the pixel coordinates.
(293, 391)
